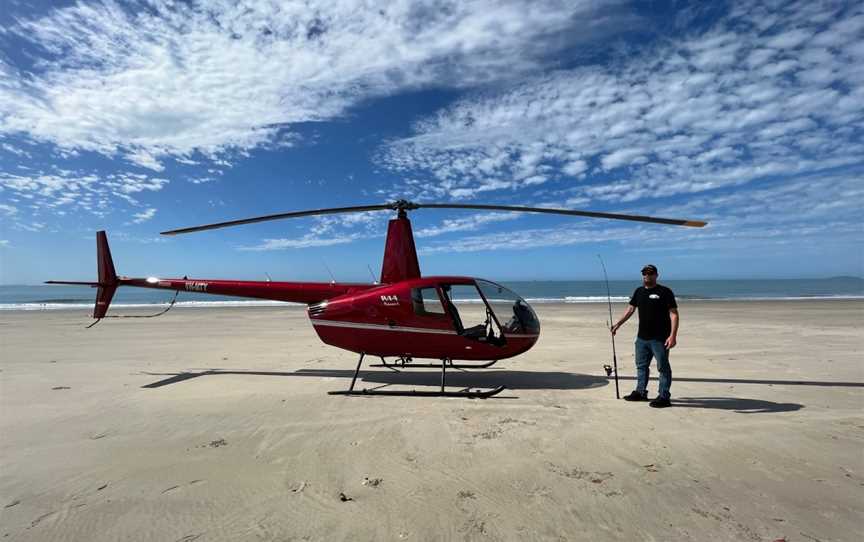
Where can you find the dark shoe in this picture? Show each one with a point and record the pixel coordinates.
(660, 402)
(636, 396)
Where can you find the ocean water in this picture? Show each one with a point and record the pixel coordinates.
(54, 297)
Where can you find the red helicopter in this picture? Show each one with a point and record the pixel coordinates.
(405, 316)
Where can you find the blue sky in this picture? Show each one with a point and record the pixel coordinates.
(138, 117)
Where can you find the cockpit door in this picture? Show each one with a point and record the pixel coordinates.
(429, 309)
(472, 316)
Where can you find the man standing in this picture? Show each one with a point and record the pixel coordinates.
(658, 329)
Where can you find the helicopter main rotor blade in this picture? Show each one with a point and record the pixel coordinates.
(279, 216)
(403, 206)
(571, 212)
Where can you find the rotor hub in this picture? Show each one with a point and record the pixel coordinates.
(402, 207)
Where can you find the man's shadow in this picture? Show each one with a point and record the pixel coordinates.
(736, 404)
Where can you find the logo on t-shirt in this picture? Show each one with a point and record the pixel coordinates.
(653, 296)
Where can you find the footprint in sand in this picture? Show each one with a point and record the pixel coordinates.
(493, 433)
(514, 420)
(300, 488)
(218, 443)
(38, 520)
(172, 488)
(372, 482)
(595, 477)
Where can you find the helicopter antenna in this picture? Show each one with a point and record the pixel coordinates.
(614, 356)
(374, 280)
(332, 278)
(268, 276)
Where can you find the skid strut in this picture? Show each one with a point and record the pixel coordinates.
(467, 392)
(407, 363)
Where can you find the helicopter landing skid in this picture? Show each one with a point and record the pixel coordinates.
(407, 363)
(467, 392)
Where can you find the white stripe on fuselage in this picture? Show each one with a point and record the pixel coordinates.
(385, 327)
(381, 327)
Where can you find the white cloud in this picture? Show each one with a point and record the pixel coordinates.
(575, 168)
(521, 239)
(143, 216)
(306, 241)
(30, 226)
(725, 108)
(132, 183)
(152, 79)
(772, 214)
(146, 159)
(53, 193)
(345, 228)
(469, 223)
(4, 243)
(15, 150)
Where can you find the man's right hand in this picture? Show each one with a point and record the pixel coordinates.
(614, 329)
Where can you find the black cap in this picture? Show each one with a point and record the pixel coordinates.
(651, 268)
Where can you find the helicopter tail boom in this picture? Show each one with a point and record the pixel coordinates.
(297, 292)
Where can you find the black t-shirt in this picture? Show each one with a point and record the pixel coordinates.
(654, 305)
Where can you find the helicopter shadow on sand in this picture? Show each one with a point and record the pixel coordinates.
(512, 380)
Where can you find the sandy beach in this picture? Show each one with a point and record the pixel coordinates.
(215, 424)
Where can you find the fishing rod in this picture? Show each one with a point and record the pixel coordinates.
(609, 323)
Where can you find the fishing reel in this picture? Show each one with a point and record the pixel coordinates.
(608, 369)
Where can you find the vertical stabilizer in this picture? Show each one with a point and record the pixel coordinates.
(400, 255)
(104, 263)
(107, 275)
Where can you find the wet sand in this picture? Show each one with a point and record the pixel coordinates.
(214, 424)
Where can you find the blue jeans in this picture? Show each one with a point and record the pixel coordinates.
(645, 350)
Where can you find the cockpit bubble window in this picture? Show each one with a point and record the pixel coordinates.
(514, 313)
(426, 302)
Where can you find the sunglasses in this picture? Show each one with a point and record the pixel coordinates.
(646, 273)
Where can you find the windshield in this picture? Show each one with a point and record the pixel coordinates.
(513, 312)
